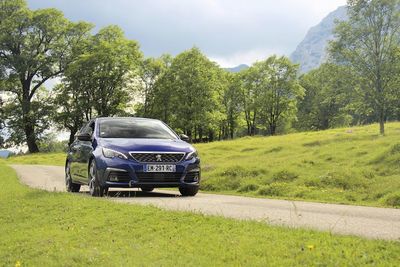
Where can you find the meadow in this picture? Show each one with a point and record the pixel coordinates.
(348, 165)
(54, 228)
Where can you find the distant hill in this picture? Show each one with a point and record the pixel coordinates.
(311, 52)
(237, 68)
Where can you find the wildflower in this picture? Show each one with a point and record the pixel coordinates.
(18, 264)
(311, 247)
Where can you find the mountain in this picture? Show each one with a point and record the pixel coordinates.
(237, 68)
(311, 52)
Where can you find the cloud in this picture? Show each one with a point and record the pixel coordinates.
(226, 30)
(247, 57)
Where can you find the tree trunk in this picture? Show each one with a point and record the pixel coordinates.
(29, 124)
(382, 124)
(71, 136)
(272, 128)
(30, 137)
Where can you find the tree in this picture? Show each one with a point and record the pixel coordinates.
(187, 94)
(35, 46)
(99, 81)
(271, 91)
(279, 90)
(368, 42)
(13, 112)
(330, 95)
(151, 70)
(233, 102)
(1, 122)
(250, 97)
(73, 109)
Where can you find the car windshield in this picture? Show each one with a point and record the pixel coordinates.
(131, 128)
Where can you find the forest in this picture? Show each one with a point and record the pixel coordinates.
(104, 73)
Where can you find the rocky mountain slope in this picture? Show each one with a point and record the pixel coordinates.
(311, 52)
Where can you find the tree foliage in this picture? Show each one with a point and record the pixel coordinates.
(368, 42)
(187, 95)
(35, 46)
(100, 81)
(331, 98)
(271, 91)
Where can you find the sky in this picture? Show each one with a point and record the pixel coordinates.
(230, 32)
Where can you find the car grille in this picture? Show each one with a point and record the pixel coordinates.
(158, 157)
(159, 177)
(189, 178)
(122, 177)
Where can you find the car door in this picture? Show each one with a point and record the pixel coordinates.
(84, 151)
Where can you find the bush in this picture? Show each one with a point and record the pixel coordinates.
(274, 189)
(393, 200)
(345, 181)
(53, 146)
(313, 182)
(248, 188)
(284, 176)
(240, 172)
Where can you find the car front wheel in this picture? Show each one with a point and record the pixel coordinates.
(147, 188)
(188, 191)
(95, 188)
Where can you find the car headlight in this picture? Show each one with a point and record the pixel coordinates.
(192, 155)
(109, 153)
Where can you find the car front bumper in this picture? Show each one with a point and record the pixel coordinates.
(129, 173)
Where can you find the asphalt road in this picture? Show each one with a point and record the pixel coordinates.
(377, 223)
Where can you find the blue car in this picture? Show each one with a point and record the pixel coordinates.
(131, 153)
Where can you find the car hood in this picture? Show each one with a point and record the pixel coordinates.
(151, 145)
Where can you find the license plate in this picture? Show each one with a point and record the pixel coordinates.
(159, 168)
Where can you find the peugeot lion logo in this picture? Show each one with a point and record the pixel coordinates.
(158, 158)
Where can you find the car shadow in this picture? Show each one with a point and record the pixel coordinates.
(137, 193)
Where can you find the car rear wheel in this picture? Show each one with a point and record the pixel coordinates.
(188, 191)
(147, 188)
(95, 188)
(70, 185)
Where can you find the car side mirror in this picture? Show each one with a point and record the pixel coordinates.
(184, 137)
(84, 137)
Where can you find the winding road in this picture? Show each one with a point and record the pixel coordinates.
(369, 222)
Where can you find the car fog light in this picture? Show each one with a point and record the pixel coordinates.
(113, 178)
(196, 178)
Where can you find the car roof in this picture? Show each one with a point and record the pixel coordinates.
(123, 118)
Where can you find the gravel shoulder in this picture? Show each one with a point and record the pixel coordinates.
(369, 222)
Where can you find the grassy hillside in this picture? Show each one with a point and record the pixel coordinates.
(52, 229)
(350, 165)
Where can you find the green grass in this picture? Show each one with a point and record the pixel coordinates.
(57, 159)
(349, 165)
(49, 228)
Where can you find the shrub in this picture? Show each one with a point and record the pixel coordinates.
(313, 182)
(274, 189)
(395, 149)
(248, 188)
(238, 171)
(345, 181)
(393, 199)
(284, 176)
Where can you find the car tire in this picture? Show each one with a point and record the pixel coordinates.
(95, 188)
(188, 191)
(69, 184)
(147, 188)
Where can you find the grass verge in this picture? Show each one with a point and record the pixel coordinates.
(43, 228)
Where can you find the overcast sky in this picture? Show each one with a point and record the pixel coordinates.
(230, 32)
